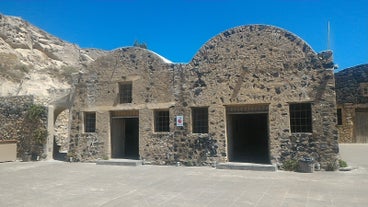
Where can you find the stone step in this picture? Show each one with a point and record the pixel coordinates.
(122, 162)
(246, 166)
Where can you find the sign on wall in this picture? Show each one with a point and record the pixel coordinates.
(179, 120)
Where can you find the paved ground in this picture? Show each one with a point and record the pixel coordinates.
(355, 155)
(77, 184)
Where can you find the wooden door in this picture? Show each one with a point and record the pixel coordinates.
(117, 138)
(361, 126)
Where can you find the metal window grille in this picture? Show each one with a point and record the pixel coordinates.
(339, 117)
(300, 117)
(90, 122)
(200, 120)
(162, 121)
(125, 92)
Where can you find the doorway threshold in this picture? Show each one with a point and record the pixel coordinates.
(120, 162)
(246, 166)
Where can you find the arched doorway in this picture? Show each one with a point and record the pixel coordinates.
(58, 125)
(61, 135)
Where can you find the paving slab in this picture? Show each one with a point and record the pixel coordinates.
(356, 155)
(53, 183)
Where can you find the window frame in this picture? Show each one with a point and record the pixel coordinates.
(125, 92)
(199, 120)
(89, 122)
(300, 117)
(339, 116)
(364, 89)
(161, 120)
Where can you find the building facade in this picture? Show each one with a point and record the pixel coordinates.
(251, 94)
(352, 102)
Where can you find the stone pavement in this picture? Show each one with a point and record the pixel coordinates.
(356, 155)
(55, 183)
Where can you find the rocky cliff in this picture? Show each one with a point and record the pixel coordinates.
(33, 62)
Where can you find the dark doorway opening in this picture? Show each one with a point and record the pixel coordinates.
(125, 138)
(248, 138)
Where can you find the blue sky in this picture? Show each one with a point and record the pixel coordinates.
(176, 29)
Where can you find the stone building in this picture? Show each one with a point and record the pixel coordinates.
(352, 102)
(253, 93)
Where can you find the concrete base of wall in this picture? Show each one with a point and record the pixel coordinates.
(8, 151)
(246, 166)
(122, 162)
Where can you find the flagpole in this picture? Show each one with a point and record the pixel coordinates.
(328, 36)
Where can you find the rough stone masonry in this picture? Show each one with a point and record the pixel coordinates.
(352, 103)
(251, 94)
(16, 124)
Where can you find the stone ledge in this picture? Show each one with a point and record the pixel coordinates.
(246, 166)
(346, 168)
(8, 141)
(121, 162)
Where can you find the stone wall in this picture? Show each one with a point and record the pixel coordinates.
(244, 66)
(349, 97)
(266, 65)
(348, 82)
(15, 124)
(98, 91)
(62, 131)
(346, 129)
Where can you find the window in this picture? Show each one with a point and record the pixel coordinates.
(162, 121)
(200, 120)
(300, 117)
(364, 88)
(125, 92)
(339, 117)
(90, 122)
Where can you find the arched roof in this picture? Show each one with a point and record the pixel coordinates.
(265, 32)
(131, 48)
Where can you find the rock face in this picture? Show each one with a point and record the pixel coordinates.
(33, 61)
(251, 94)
